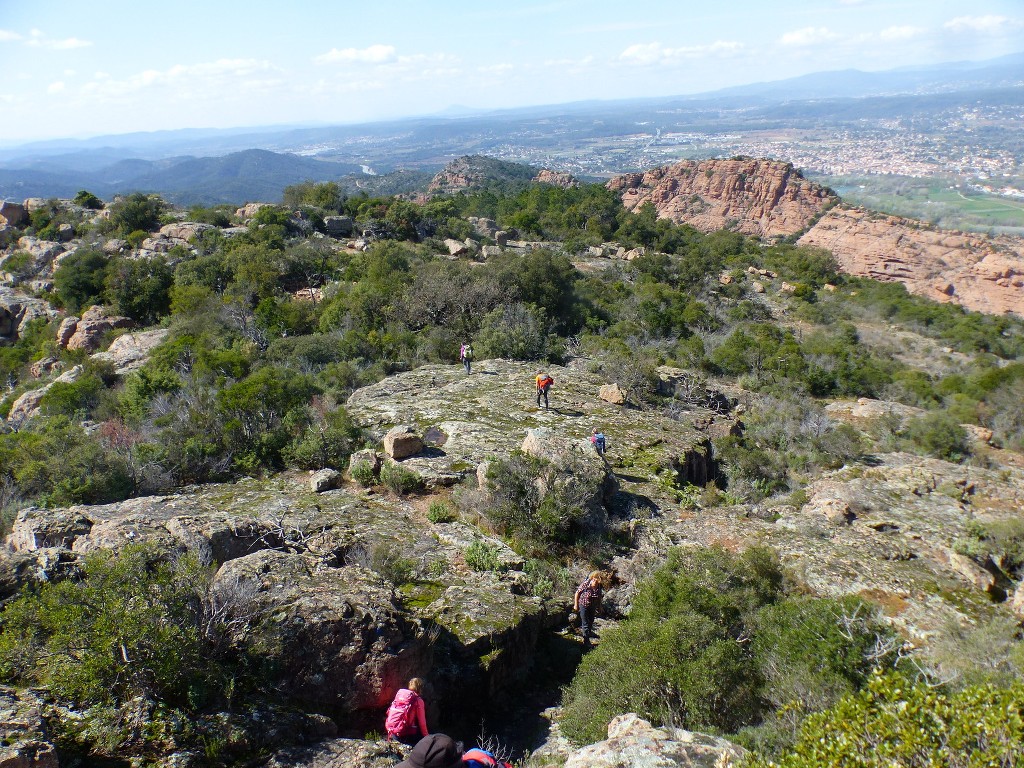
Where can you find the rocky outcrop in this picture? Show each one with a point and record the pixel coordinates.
(130, 352)
(982, 273)
(185, 230)
(296, 565)
(340, 639)
(764, 198)
(27, 405)
(556, 179)
(23, 732)
(632, 741)
(13, 214)
(89, 329)
(17, 311)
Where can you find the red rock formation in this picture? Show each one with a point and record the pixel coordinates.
(556, 179)
(978, 272)
(765, 198)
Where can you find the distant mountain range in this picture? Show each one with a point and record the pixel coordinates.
(212, 166)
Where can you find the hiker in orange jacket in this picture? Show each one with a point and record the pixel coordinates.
(544, 383)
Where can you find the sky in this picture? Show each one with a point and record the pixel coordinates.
(74, 69)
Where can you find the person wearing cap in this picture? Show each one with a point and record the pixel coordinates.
(434, 751)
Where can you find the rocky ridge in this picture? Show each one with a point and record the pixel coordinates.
(982, 273)
(887, 530)
(770, 199)
(763, 198)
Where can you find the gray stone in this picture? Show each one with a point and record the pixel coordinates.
(130, 352)
(634, 742)
(324, 480)
(339, 226)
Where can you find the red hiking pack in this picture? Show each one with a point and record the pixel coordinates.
(478, 758)
(401, 717)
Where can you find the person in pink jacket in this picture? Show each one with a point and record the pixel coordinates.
(406, 720)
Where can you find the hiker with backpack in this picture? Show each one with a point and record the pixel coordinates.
(587, 601)
(597, 439)
(406, 720)
(466, 355)
(544, 383)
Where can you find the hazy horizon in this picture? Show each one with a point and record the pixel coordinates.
(80, 73)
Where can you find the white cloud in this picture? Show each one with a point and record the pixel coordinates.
(7, 36)
(987, 25)
(808, 36)
(655, 53)
(56, 87)
(893, 34)
(374, 54)
(38, 40)
(496, 69)
(210, 77)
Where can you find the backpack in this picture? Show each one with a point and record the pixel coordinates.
(467, 352)
(479, 758)
(401, 717)
(545, 382)
(598, 441)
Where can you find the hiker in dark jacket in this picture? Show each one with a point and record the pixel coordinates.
(434, 751)
(587, 601)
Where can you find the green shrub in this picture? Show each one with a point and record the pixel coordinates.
(938, 434)
(384, 559)
(130, 627)
(482, 556)
(515, 331)
(362, 473)
(542, 506)
(87, 199)
(78, 281)
(440, 512)
(327, 442)
(713, 642)
(896, 722)
(399, 479)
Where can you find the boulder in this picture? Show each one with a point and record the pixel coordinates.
(130, 352)
(8, 235)
(324, 480)
(611, 393)
(336, 637)
(65, 233)
(634, 742)
(249, 210)
(17, 311)
(490, 251)
(94, 323)
(40, 368)
(27, 406)
(401, 442)
(757, 286)
(185, 230)
(455, 247)
(66, 330)
(13, 214)
(339, 226)
(115, 245)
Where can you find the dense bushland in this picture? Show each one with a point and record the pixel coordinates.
(718, 642)
(272, 328)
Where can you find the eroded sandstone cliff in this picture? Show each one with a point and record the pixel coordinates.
(982, 273)
(764, 198)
